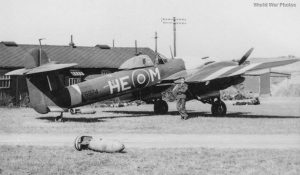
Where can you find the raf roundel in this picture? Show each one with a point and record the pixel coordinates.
(140, 78)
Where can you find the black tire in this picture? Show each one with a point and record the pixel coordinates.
(218, 108)
(161, 107)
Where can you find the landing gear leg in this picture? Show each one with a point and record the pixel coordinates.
(218, 107)
(161, 107)
(59, 118)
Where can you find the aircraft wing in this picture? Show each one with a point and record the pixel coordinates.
(50, 67)
(43, 68)
(223, 69)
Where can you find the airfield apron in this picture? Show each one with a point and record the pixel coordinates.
(179, 91)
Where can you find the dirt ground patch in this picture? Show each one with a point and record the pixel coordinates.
(275, 116)
(163, 140)
(60, 160)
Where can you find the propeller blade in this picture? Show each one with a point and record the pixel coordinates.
(247, 54)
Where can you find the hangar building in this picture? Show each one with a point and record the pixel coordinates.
(264, 82)
(92, 61)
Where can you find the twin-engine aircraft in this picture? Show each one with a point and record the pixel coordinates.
(138, 79)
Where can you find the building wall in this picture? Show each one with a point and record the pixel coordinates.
(259, 84)
(16, 90)
(251, 84)
(264, 85)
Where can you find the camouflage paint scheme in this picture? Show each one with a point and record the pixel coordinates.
(48, 94)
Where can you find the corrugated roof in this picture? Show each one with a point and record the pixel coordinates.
(86, 57)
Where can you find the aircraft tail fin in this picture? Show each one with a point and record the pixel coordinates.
(46, 91)
(45, 86)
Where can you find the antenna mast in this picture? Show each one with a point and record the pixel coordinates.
(174, 21)
(155, 37)
(40, 42)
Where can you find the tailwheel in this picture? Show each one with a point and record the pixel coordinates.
(218, 108)
(161, 107)
(59, 118)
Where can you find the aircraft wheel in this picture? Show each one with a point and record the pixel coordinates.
(59, 118)
(77, 143)
(73, 111)
(218, 108)
(161, 107)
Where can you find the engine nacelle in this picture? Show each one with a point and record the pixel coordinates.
(209, 95)
(238, 80)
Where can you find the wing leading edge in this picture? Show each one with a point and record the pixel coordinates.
(40, 69)
(224, 69)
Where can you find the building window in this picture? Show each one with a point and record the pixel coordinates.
(4, 81)
(74, 81)
(76, 73)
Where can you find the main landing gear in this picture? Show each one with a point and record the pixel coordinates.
(218, 107)
(160, 107)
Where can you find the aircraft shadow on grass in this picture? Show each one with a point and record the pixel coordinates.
(192, 114)
(96, 119)
(75, 119)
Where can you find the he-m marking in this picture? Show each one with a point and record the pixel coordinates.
(139, 78)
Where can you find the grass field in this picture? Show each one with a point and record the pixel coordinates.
(60, 160)
(273, 116)
(279, 116)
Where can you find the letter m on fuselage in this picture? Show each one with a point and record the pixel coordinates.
(154, 74)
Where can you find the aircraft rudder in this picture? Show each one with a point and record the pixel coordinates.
(37, 98)
(46, 91)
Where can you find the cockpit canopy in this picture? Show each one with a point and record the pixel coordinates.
(137, 62)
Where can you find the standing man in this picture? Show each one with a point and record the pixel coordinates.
(179, 92)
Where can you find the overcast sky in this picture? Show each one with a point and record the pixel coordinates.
(220, 29)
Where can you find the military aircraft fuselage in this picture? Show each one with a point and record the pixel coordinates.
(116, 84)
